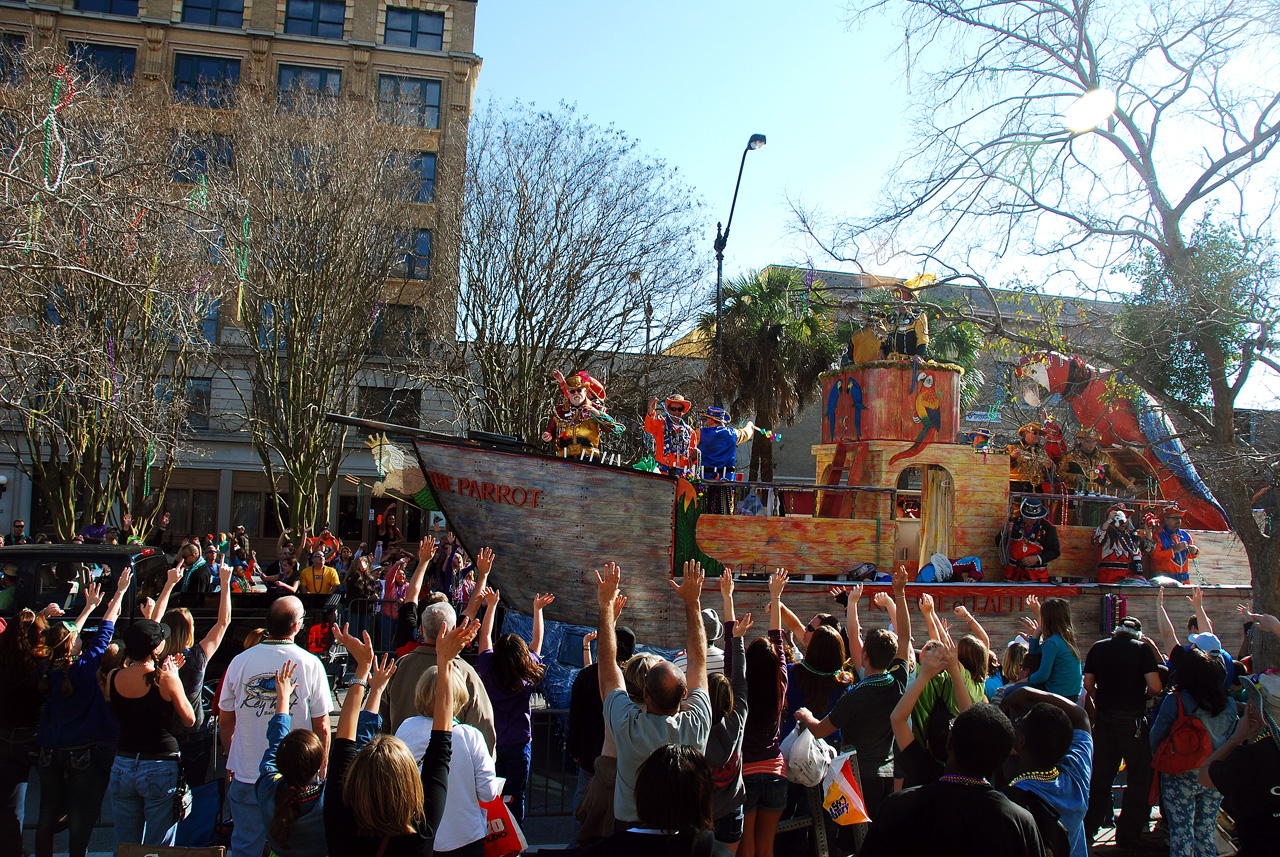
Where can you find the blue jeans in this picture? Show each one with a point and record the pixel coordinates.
(142, 800)
(512, 763)
(250, 831)
(72, 783)
(17, 749)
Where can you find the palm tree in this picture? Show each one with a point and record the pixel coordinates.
(777, 340)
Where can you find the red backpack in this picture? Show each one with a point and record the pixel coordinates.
(1186, 746)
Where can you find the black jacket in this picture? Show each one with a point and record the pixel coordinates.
(586, 718)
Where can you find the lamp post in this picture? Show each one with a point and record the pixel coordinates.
(722, 239)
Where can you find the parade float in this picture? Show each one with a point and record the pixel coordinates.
(895, 484)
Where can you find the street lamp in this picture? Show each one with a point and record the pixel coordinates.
(722, 238)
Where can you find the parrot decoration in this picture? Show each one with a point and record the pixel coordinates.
(833, 402)
(928, 414)
(855, 396)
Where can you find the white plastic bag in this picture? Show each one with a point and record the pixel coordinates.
(807, 757)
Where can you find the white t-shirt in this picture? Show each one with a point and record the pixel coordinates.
(471, 781)
(249, 690)
(715, 660)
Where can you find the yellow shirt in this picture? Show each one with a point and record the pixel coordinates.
(319, 581)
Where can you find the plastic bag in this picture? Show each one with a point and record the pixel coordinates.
(807, 757)
(841, 795)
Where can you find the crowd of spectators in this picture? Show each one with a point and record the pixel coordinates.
(1002, 748)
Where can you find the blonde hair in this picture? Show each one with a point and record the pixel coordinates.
(634, 672)
(973, 656)
(1012, 662)
(424, 695)
(182, 631)
(254, 637)
(383, 788)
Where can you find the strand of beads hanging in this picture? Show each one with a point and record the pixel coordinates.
(1049, 776)
(877, 680)
(964, 781)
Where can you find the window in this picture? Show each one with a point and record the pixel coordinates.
(204, 80)
(391, 405)
(11, 47)
(409, 101)
(192, 510)
(325, 81)
(322, 18)
(209, 322)
(424, 166)
(199, 398)
(200, 155)
(128, 8)
(398, 328)
(410, 28)
(214, 13)
(110, 61)
(415, 264)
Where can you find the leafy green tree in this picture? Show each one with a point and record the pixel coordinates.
(777, 339)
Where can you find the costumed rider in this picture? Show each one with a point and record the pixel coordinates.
(1029, 463)
(1089, 470)
(717, 444)
(1030, 543)
(673, 447)
(576, 423)
(1173, 548)
(1119, 547)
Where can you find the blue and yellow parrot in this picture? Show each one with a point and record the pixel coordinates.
(855, 395)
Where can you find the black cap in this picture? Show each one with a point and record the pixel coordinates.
(626, 642)
(142, 637)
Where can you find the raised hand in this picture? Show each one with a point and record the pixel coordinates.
(1030, 626)
(122, 583)
(883, 600)
(743, 626)
(607, 583)
(726, 583)
(382, 672)
(92, 596)
(490, 597)
(484, 562)
(224, 575)
(933, 660)
(148, 605)
(449, 644)
(1033, 604)
(361, 649)
(926, 603)
(589, 637)
(963, 613)
(619, 602)
(426, 549)
(173, 576)
(777, 582)
(1196, 598)
(1266, 622)
(540, 602)
(900, 581)
(690, 587)
(285, 685)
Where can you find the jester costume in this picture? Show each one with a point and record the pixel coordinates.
(1164, 560)
(1089, 470)
(1119, 550)
(1030, 543)
(576, 422)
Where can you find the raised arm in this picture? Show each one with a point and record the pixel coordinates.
(426, 548)
(792, 623)
(213, 639)
(1022, 698)
(484, 564)
(122, 586)
(449, 644)
(610, 674)
(92, 598)
(361, 651)
(171, 691)
(690, 592)
(853, 594)
(278, 726)
(171, 580)
(1197, 603)
(540, 602)
(587, 640)
(932, 663)
(930, 617)
(777, 582)
(1168, 634)
(974, 625)
(902, 624)
(378, 677)
(486, 627)
(959, 688)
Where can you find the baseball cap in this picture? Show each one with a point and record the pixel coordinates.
(142, 637)
(712, 625)
(1206, 641)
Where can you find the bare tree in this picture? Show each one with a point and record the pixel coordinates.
(105, 291)
(318, 216)
(577, 253)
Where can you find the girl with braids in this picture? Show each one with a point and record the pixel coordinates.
(77, 734)
(289, 786)
(1054, 637)
(20, 707)
(510, 671)
(146, 697)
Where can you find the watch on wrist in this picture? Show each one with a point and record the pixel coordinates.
(363, 682)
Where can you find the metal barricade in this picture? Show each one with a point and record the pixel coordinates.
(552, 774)
(365, 614)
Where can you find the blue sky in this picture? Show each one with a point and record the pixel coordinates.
(692, 81)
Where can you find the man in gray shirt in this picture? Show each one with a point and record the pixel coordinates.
(677, 708)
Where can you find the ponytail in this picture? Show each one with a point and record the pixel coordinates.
(298, 759)
(285, 815)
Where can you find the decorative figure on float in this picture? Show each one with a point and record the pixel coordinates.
(1173, 549)
(833, 403)
(673, 448)
(717, 444)
(1119, 547)
(928, 413)
(908, 325)
(1089, 470)
(1030, 543)
(576, 422)
(1029, 464)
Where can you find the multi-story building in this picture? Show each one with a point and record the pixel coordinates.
(414, 56)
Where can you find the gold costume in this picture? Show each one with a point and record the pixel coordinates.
(1031, 465)
(1090, 472)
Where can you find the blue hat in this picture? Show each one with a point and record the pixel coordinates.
(717, 414)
